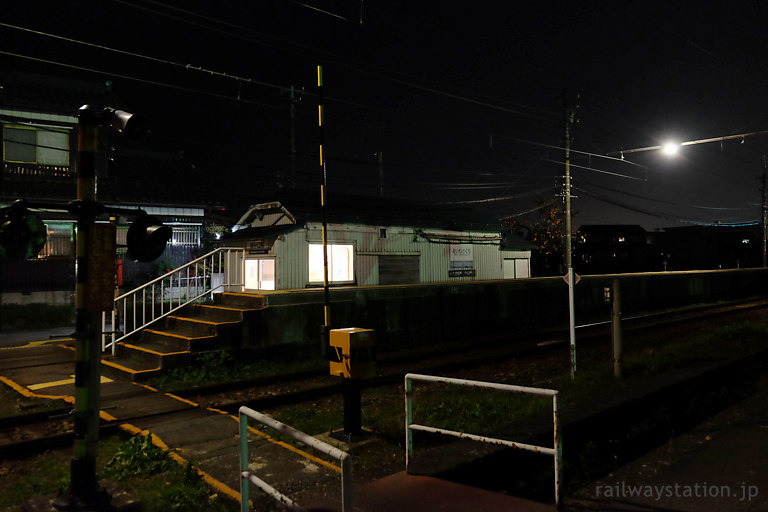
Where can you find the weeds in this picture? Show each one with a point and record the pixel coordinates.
(15, 317)
(161, 484)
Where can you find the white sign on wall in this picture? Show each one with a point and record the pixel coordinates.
(461, 261)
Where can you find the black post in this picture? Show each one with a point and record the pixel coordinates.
(84, 490)
(352, 408)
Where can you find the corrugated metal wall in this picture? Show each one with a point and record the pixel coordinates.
(291, 253)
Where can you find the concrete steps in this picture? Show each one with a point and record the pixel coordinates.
(196, 328)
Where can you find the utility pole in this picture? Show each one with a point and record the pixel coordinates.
(570, 118)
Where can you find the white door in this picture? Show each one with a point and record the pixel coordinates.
(516, 268)
(260, 274)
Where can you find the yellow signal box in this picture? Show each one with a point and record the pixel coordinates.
(354, 351)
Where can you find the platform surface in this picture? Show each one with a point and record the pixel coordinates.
(405, 493)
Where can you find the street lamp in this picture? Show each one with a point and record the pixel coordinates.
(672, 149)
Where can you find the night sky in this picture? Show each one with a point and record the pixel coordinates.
(465, 100)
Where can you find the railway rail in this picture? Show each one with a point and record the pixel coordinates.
(33, 430)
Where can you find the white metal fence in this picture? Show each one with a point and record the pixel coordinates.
(248, 477)
(218, 271)
(555, 451)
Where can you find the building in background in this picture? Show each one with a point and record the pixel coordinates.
(372, 241)
(39, 142)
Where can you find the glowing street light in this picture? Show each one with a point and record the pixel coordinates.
(671, 148)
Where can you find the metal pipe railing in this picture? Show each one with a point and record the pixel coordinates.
(555, 452)
(247, 476)
(180, 287)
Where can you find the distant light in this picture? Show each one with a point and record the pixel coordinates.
(745, 241)
(670, 148)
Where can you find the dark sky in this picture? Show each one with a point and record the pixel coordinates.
(464, 99)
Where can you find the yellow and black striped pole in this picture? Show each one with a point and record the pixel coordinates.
(84, 489)
(323, 187)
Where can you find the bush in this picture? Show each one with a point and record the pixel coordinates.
(16, 317)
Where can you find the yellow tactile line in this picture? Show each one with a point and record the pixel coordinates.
(118, 366)
(33, 344)
(220, 486)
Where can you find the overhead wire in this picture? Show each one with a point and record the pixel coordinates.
(312, 49)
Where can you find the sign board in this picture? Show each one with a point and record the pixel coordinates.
(461, 260)
(100, 268)
(576, 278)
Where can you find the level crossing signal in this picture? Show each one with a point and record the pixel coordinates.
(147, 238)
(22, 233)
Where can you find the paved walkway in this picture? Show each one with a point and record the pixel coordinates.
(719, 466)
(33, 337)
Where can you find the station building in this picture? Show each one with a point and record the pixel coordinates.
(372, 241)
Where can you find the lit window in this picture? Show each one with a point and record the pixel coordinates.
(340, 263)
(621, 239)
(35, 146)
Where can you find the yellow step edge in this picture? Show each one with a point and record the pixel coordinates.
(172, 335)
(154, 352)
(227, 308)
(252, 295)
(126, 369)
(207, 322)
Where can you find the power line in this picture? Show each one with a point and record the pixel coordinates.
(311, 49)
(141, 80)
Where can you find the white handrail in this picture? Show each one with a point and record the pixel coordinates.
(556, 451)
(197, 277)
(246, 475)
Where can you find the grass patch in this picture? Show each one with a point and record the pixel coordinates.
(209, 368)
(14, 404)
(17, 317)
(136, 466)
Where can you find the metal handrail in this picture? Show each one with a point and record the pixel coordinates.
(556, 451)
(197, 279)
(247, 476)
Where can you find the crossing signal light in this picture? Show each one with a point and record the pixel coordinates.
(147, 238)
(22, 233)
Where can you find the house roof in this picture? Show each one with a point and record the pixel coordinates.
(371, 211)
(377, 211)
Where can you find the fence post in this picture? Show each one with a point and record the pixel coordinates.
(408, 417)
(244, 483)
(616, 333)
(558, 444)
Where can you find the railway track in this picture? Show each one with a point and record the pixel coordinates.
(34, 432)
